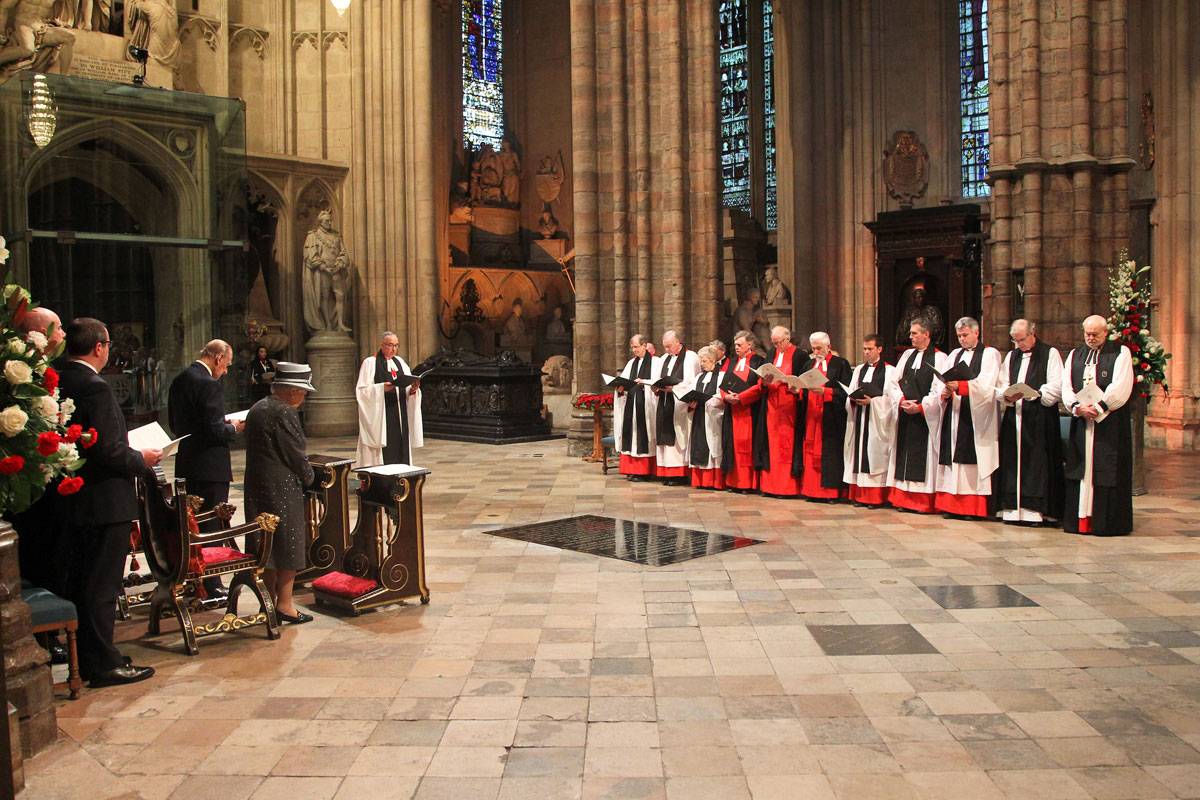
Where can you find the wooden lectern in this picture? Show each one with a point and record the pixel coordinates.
(328, 512)
(385, 562)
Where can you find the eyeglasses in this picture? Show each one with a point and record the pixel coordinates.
(105, 342)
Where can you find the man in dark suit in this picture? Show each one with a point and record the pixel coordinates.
(97, 518)
(196, 406)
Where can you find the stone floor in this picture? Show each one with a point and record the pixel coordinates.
(853, 654)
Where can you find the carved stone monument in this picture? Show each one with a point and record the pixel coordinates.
(776, 300)
(333, 355)
(557, 374)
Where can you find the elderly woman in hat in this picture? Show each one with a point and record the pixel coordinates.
(277, 473)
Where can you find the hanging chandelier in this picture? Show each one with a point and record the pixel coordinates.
(341, 6)
(42, 112)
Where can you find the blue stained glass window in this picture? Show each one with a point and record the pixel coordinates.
(734, 56)
(770, 177)
(483, 73)
(973, 96)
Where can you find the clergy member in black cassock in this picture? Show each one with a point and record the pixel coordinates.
(870, 427)
(913, 469)
(817, 458)
(704, 441)
(1099, 472)
(1035, 496)
(389, 409)
(634, 413)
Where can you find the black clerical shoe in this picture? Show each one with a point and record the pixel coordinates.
(299, 619)
(58, 653)
(117, 676)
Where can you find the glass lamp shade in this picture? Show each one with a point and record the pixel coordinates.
(341, 6)
(42, 118)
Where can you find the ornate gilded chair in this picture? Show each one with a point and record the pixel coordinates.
(179, 557)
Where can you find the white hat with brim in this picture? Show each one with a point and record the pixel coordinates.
(288, 373)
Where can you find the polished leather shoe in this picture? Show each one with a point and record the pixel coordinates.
(126, 673)
(58, 654)
(299, 619)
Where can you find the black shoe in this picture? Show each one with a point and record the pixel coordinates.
(117, 676)
(299, 619)
(214, 589)
(58, 654)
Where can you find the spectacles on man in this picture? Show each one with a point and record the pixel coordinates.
(105, 342)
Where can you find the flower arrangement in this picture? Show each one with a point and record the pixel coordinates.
(37, 445)
(593, 401)
(1129, 304)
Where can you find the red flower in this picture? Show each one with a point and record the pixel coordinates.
(1134, 348)
(70, 486)
(1133, 307)
(90, 438)
(50, 380)
(1125, 331)
(1132, 284)
(11, 465)
(73, 433)
(1135, 329)
(1145, 365)
(48, 443)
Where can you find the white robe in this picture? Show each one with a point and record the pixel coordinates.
(879, 430)
(620, 404)
(1116, 395)
(372, 416)
(931, 404)
(974, 479)
(676, 455)
(1051, 392)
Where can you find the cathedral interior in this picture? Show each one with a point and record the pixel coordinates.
(522, 185)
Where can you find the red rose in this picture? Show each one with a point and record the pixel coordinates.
(1145, 365)
(1134, 329)
(70, 486)
(1125, 331)
(11, 465)
(1133, 306)
(91, 438)
(48, 442)
(73, 433)
(1134, 348)
(50, 380)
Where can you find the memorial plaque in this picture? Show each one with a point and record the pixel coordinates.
(102, 69)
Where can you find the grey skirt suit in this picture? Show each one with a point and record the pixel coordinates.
(277, 472)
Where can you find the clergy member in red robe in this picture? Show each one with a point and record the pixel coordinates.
(777, 437)
(742, 408)
(824, 414)
(633, 414)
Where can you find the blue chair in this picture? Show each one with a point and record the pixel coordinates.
(609, 444)
(52, 614)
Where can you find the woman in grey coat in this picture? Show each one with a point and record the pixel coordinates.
(277, 473)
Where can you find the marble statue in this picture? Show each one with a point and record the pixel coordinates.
(918, 305)
(30, 38)
(485, 177)
(749, 317)
(86, 15)
(549, 178)
(154, 27)
(326, 277)
(775, 293)
(515, 331)
(557, 375)
(547, 225)
(557, 329)
(510, 174)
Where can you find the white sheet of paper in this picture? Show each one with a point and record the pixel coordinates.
(1089, 395)
(237, 416)
(607, 378)
(813, 379)
(845, 388)
(153, 436)
(1021, 391)
(396, 470)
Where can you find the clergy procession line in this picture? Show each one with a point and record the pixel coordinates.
(972, 434)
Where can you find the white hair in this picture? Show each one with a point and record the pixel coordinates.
(1022, 325)
(819, 337)
(1095, 319)
(708, 351)
(781, 330)
(966, 322)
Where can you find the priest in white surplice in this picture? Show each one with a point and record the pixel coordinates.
(1099, 498)
(870, 427)
(969, 451)
(389, 408)
(633, 413)
(672, 422)
(912, 469)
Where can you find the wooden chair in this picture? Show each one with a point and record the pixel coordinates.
(179, 557)
(53, 614)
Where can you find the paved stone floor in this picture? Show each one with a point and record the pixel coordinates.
(854, 654)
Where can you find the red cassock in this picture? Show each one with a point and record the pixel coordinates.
(781, 405)
(810, 484)
(742, 475)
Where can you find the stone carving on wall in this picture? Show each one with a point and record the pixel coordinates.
(549, 179)
(326, 277)
(32, 38)
(775, 293)
(86, 15)
(556, 375)
(749, 316)
(1146, 146)
(496, 177)
(547, 224)
(918, 302)
(516, 332)
(154, 27)
(906, 167)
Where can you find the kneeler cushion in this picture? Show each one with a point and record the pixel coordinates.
(221, 555)
(343, 585)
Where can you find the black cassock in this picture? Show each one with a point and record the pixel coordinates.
(833, 424)
(699, 454)
(758, 413)
(912, 430)
(635, 405)
(397, 450)
(1041, 444)
(862, 416)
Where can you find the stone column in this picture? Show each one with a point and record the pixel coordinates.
(390, 226)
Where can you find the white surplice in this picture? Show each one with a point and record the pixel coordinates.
(931, 407)
(878, 430)
(972, 479)
(1051, 391)
(372, 415)
(1116, 395)
(621, 405)
(676, 455)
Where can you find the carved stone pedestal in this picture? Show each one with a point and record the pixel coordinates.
(332, 409)
(782, 315)
(26, 672)
(579, 434)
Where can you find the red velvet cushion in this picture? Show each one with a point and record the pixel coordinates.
(344, 585)
(221, 555)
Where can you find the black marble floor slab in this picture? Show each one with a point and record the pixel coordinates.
(639, 542)
(870, 640)
(987, 596)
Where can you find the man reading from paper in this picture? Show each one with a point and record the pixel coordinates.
(823, 418)
(872, 423)
(672, 423)
(389, 408)
(968, 453)
(776, 438)
(634, 410)
(1029, 483)
(1097, 382)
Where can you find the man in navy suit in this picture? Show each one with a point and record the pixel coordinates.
(98, 517)
(196, 406)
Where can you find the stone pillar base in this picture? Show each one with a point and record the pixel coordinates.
(14, 741)
(26, 672)
(580, 434)
(332, 410)
(1173, 422)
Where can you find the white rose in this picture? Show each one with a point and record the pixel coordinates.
(3, 250)
(37, 339)
(12, 421)
(65, 409)
(46, 407)
(1139, 378)
(69, 453)
(16, 346)
(17, 372)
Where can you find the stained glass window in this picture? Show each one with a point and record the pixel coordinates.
(973, 96)
(734, 55)
(483, 73)
(770, 178)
